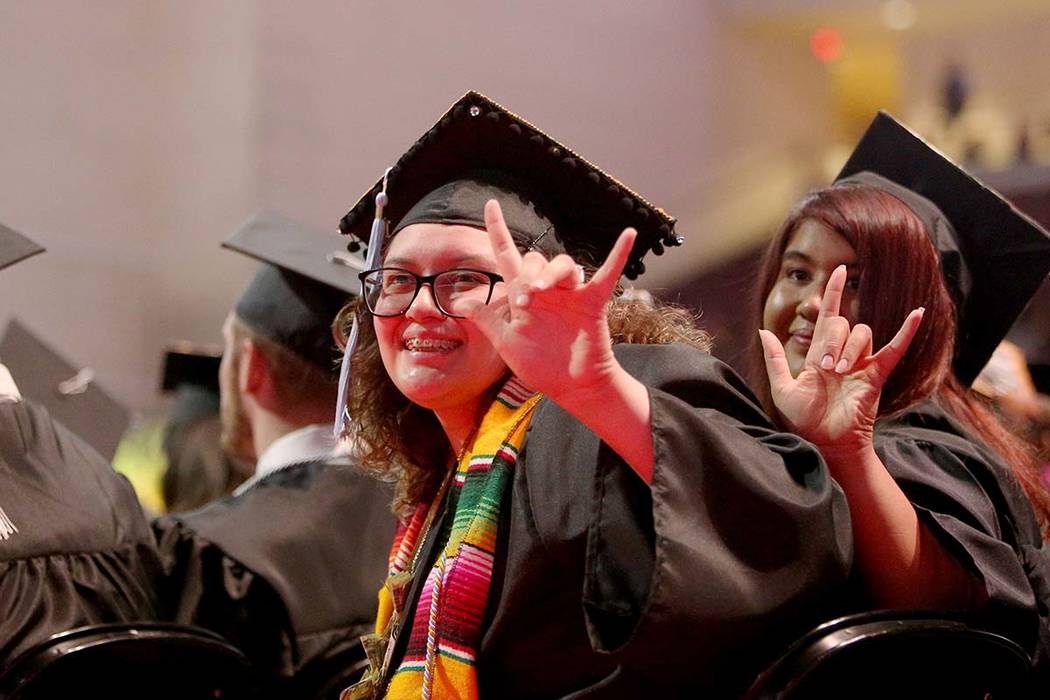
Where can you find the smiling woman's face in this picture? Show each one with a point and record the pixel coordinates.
(438, 362)
(812, 253)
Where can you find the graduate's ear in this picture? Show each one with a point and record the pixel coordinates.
(254, 370)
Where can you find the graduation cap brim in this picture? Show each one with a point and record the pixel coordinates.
(1006, 253)
(72, 396)
(305, 279)
(277, 240)
(14, 247)
(589, 207)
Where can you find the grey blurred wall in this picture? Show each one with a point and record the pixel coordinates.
(129, 145)
(135, 136)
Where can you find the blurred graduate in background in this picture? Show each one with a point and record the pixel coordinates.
(75, 547)
(287, 566)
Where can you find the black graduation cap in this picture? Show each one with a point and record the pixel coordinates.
(994, 257)
(190, 365)
(587, 207)
(14, 247)
(306, 278)
(192, 373)
(70, 394)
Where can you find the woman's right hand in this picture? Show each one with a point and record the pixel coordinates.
(834, 400)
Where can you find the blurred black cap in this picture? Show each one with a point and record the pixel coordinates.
(70, 393)
(305, 279)
(14, 247)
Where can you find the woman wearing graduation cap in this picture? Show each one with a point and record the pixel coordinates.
(591, 503)
(907, 254)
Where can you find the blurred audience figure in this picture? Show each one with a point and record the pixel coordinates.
(287, 566)
(75, 547)
(1007, 382)
(199, 470)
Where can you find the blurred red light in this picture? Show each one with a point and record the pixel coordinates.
(826, 44)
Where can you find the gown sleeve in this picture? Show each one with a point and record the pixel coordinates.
(972, 503)
(738, 540)
(75, 546)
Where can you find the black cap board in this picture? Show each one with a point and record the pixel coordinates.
(70, 394)
(994, 257)
(192, 373)
(306, 278)
(477, 144)
(14, 247)
(190, 365)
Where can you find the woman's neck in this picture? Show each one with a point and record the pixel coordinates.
(459, 425)
(460, 422)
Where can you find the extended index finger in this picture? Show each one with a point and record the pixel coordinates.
(832, 300)
(508, 259)
(608, 274)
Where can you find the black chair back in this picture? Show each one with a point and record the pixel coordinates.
(897, 654)
(324, 678)
(160, 661)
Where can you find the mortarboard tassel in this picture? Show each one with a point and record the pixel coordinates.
(375, 242)
(7, 527)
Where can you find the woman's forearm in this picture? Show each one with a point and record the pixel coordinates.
(902, 562)
(618, 412)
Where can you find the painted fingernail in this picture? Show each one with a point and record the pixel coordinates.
(842, 366)
(827, 362)
(522, 300)
(539, 284)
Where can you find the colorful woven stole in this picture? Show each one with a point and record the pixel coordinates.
(439, 660)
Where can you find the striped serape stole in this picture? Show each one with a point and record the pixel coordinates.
(439, 659)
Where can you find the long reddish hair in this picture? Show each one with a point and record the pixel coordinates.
(900, 271)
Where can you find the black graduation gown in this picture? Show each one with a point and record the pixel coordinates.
(83, 552)
(606, 587)
(288, 570)
(976, 508)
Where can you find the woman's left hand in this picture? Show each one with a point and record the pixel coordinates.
(550, 328)
(834, 400)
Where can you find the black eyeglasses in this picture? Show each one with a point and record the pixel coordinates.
(390, 291)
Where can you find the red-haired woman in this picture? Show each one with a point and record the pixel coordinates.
(945, 505)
